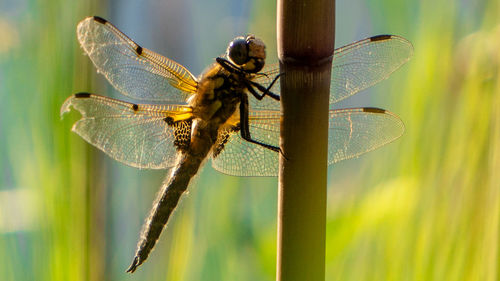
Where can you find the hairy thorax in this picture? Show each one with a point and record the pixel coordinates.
(216, 101)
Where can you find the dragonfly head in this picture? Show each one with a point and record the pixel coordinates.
(248, 53)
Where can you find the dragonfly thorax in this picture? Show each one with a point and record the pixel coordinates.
(219, 92)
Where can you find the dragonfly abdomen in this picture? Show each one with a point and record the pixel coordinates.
(188, 163)
(164, 205)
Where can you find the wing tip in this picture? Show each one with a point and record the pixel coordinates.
(385, 37)
(377, 110)
(396, 118)
(381, 37)
(82, 95)
(99, 19)
(65, 107)
(374, 110)
(88, 20)
(399, 134)
(87, 25)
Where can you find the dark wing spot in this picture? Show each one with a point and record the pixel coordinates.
(169, 120)
(380, 37)
(100, 20)
(222, 140)
(138, 50)
(373, 110)
(82, 95)
(135, 107)
(220, 144)
(182, 134)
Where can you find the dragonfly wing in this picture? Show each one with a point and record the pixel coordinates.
(355, 131)
(134, 134)
(352, 132)
(134, 71)
(235, 156)
(265, 78)
(362, 64)
(355, 67)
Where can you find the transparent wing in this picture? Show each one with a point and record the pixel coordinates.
(355, 131)
(355, 67)
(239, 157)
(134, 71)
(352, 132)
(134, 134)
(363, 64)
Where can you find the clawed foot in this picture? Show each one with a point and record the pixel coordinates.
(134, 265)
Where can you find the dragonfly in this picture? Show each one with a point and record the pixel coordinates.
(229, 114)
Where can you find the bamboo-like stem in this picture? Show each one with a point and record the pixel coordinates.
(305, 47)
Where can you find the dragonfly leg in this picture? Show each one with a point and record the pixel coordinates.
(253, 92)
(266, 91)
(250, 87)
(245, 128)
(229, 66)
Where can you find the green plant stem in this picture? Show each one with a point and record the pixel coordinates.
(305, 48)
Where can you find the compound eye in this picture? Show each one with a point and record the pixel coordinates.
(238, 51)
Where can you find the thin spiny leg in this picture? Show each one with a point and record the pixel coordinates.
(244, 126)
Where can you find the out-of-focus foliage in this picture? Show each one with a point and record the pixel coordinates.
(432, 212)
(425, 207)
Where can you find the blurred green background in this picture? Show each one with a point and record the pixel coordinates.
(425, 207)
